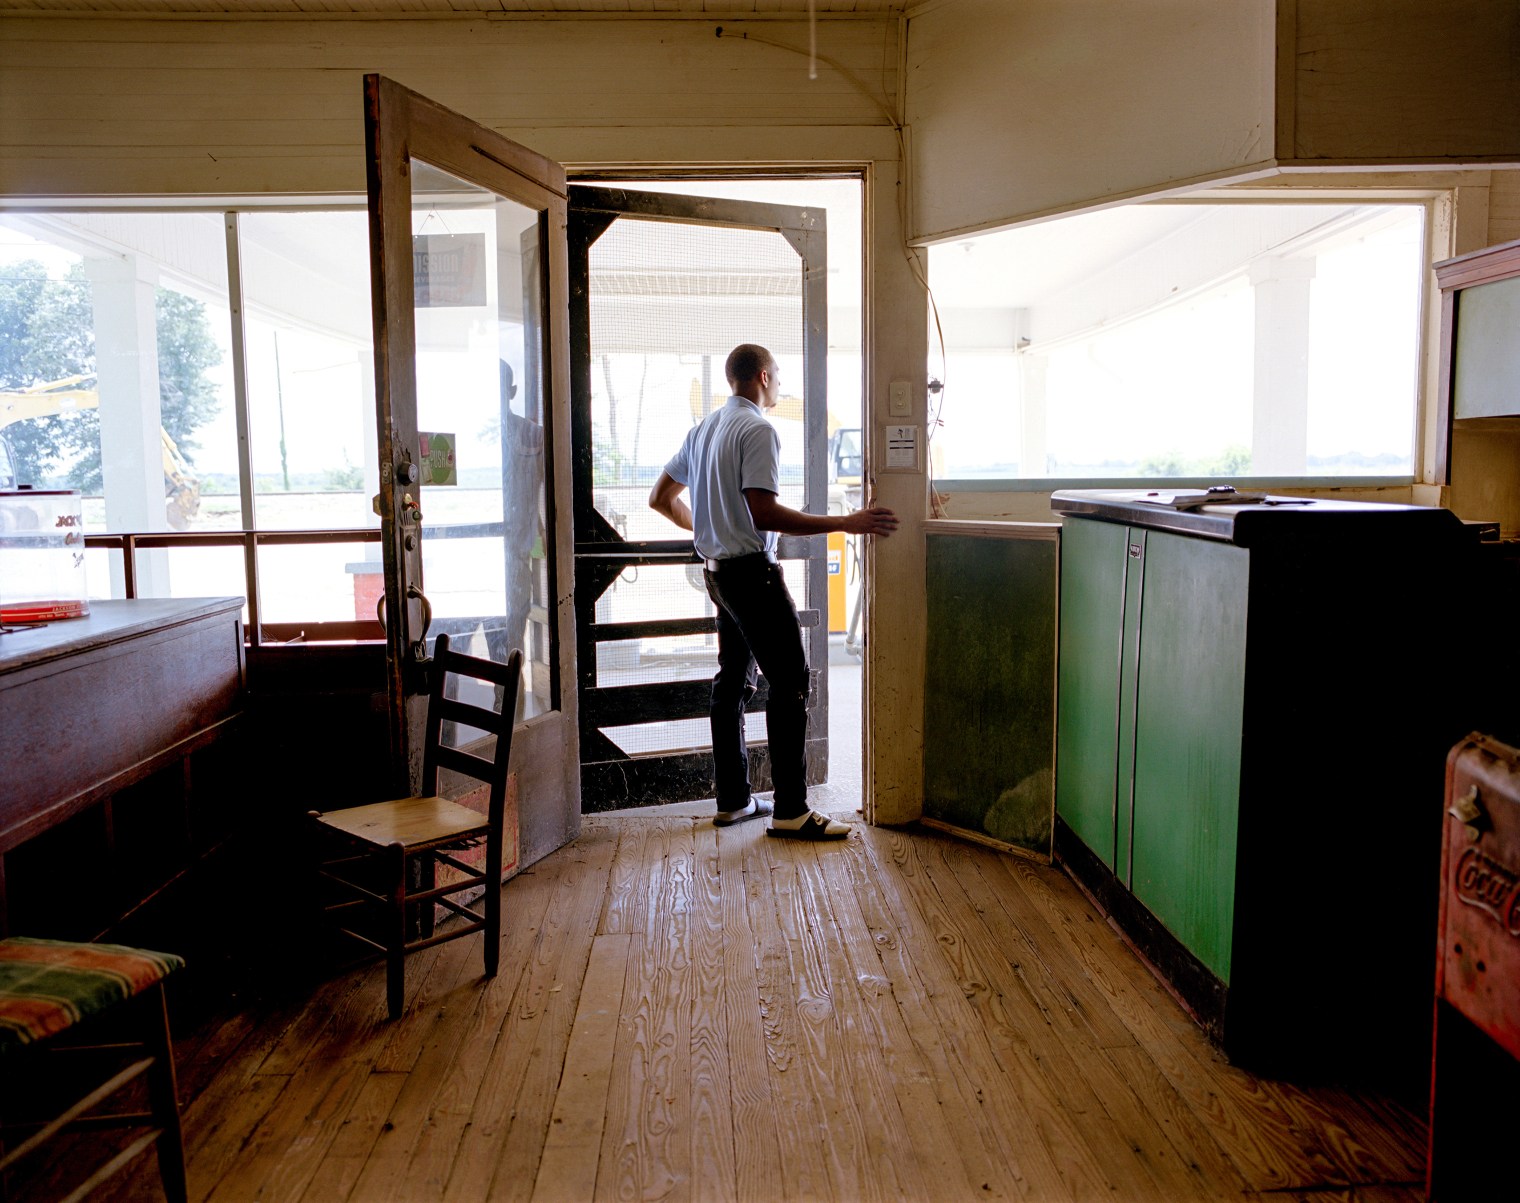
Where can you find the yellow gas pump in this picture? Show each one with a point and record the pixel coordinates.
(844, 496)
(839, 618)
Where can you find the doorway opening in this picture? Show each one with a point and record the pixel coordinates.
(633, 440)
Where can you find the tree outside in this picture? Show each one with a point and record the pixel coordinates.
(47, 333)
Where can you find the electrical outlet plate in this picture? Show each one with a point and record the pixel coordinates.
(899, 403)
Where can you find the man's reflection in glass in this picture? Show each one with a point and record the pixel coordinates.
(522, 476)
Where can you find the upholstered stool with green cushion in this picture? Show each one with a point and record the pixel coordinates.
(48, 987)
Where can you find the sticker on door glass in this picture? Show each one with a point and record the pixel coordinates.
(437, 453)
(448, 270)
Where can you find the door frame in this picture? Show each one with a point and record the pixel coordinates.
(401, 125)
(602, 554)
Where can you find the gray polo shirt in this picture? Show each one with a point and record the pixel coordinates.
(732, 449)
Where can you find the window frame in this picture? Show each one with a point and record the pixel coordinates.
(251, 536)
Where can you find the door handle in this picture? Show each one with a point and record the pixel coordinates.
(419, 647)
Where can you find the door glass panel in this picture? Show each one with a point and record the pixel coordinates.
(477, 273)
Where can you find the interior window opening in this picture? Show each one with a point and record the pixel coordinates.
(1250, 341)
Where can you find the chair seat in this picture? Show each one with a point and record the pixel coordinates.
(414, 822)
(49, 985)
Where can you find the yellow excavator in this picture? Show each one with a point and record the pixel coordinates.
(182, 488)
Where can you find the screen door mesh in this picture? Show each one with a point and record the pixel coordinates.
(668, 303)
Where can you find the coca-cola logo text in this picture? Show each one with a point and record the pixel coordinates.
(1484, 883)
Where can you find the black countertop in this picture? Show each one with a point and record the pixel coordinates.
(1272, 518)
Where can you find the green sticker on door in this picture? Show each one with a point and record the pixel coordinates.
(436, 451)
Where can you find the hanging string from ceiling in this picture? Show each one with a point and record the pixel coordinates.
(812, 40)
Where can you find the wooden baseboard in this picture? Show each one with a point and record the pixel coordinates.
(987, 841)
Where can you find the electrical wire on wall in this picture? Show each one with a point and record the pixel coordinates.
(910, 253)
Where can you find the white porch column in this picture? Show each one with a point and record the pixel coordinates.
(131, 439)
(1033, 449)
(1280, 421)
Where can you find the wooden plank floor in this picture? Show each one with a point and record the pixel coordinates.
(689, 1013)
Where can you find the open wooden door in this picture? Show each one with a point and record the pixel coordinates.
(469, 277)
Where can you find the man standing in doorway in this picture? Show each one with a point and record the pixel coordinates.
(731, 464)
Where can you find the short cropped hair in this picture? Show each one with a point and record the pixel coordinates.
(747, 361)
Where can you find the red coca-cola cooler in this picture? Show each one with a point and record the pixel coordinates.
(1475, 1072)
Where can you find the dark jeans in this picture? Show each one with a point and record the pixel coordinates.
(757, 624)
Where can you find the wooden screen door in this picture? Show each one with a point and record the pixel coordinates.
(469, 279)
(662, 287)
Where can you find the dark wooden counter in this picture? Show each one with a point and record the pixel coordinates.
(92, 705)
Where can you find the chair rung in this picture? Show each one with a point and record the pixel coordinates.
(470, 715)
(358, 889)
(87, 1187)
(363, 939)
(444, 858)
(419, 945)
(461, 910)
(114, 1119)
(464, 762)
(453, 887)
(345, 860)
(120, 1119)
(94, 1098)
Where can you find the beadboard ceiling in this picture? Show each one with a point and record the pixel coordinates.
(328, 8)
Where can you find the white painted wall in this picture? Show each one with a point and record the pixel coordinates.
(1023, 110)
(184, 108)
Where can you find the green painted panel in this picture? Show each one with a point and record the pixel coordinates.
(1129, 694)
(1188, 739)
(1093, 556)
(989, 706)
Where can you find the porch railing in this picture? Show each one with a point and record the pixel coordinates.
(128, 544)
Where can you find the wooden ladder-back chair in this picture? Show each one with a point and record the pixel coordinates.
(76, 1016)
(389, 846)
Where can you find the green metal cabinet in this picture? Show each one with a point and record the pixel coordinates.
(1091, 626)
(1152, 659)
(1253, 710)
(1190, 653)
